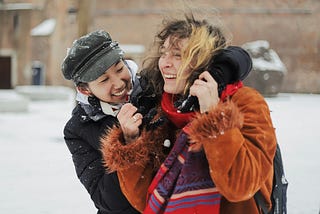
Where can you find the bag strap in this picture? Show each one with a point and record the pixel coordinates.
(279, 188)
(260, 202)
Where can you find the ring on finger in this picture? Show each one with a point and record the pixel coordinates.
(135, 118)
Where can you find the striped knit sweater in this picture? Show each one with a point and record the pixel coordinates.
(183, 183)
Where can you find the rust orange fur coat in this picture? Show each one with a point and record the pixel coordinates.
(239, 142)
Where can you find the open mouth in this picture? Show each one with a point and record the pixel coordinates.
(170, 76)
(120, 93)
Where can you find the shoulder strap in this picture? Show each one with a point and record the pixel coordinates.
(279, 188)
(260, 202)
(280, 185)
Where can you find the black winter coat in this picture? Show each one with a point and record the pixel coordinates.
(82, 136)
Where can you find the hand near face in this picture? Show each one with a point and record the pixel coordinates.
(129, 121)
(206, 89)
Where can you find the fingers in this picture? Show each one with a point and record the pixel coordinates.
(207, 77)
(127, 114)
(127, 110)
(206, 90)
(137, 118)
(129, 121)
(203, 85)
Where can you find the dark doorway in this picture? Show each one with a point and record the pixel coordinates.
(5, 72)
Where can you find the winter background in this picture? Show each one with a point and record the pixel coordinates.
(37, 174)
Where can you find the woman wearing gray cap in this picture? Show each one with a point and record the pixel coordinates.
(104, 82)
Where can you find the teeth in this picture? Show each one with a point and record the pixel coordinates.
(120, 93)
(170, 76)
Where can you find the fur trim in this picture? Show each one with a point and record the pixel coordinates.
(225, 116)
(117, 156)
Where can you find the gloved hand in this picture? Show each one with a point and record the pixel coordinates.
(149, 123)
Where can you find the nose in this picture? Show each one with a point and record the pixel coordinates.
(166, 60)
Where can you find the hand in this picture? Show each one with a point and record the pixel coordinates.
(206, 89)
(129, 121)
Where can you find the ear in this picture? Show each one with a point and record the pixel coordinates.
(84, 90)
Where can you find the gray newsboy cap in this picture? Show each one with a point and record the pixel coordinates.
(90, 56)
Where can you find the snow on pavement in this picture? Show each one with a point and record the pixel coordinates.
(37, 175)
(296, 119)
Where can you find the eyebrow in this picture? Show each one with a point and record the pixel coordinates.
(116, 64)
(171, 48)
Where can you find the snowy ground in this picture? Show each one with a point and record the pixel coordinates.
(37, 175)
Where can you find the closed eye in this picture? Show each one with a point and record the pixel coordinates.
(176, 54)
(119, 70)
(105, 79)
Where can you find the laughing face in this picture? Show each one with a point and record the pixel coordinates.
(114, 85)
(169, 63)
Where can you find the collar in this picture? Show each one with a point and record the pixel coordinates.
(95, 108)
(230, 90)
(109, 109)
(177, 118)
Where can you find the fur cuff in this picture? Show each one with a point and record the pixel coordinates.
(118, 156)
(225, 116)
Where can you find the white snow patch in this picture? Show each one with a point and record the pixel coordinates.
(268, 61)
(45, 28)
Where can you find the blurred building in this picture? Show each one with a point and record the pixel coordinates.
(34, 34)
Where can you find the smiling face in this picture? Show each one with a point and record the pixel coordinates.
(113, 86)
(169, 64)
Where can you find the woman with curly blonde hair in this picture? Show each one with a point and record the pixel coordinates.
(215, 154)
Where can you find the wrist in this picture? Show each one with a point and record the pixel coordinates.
(130, 138)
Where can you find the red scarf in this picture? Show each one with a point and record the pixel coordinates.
(182, 119)
(179, 119)
(230, 90)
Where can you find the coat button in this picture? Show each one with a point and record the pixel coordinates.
(166, 143)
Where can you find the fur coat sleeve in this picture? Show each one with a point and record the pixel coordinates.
(135, 163)
(239, 142)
